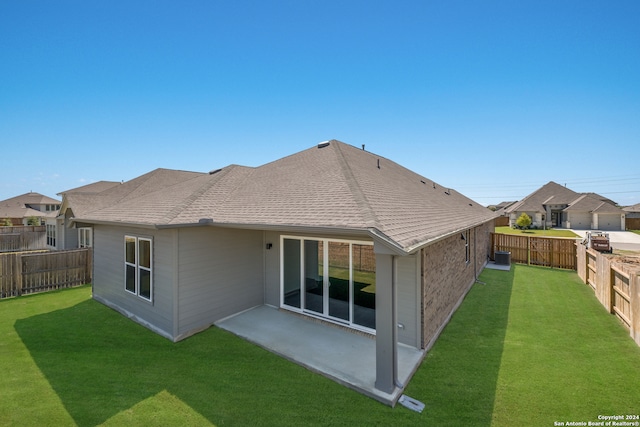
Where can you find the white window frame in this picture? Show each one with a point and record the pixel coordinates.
(85, 237)
(138, 268)
(51, 234)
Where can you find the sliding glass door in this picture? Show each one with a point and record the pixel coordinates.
(329, 278)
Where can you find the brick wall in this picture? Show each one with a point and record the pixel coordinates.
(447, 277)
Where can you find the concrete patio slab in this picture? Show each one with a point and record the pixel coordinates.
(493, 266)
(346, 357)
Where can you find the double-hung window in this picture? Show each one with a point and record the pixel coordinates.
(138, 266)
(84, 237)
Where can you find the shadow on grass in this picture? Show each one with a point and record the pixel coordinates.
(457, 380)
(107, 369)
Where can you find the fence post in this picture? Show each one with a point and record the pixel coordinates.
(634, 296)
(17, 273)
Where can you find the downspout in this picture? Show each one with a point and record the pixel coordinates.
(475, 253)
(394, 291)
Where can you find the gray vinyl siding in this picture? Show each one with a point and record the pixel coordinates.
(408, 301)
(272, 269)
(108, 282)
(70, 238)
(220, 274)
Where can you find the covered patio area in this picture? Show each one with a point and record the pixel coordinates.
(344, 356)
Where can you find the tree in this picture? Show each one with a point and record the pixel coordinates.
(33, 220)
(5, 222)
(523, 221)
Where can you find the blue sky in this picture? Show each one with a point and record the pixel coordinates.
(491, 98)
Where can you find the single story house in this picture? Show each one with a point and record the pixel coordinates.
(334, 232)
(68, 234)
(554, 205)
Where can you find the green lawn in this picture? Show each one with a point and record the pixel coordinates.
(529, 347)
(551, 233)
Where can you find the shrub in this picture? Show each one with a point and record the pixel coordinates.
(523, 221)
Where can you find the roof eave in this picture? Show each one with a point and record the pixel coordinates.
(422, 245)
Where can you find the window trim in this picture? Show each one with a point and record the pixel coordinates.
(51, 231)
(138, 268)
(467, 246)
(87, 232)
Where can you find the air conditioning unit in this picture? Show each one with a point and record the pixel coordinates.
(503, 258)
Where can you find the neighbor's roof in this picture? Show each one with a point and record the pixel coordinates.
(18, 207)
(549, 194)
(634, 208)
(556, 194)
(588, 203)
(332, 185)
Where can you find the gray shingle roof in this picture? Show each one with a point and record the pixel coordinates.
(588, 203)
(332, 185)
(18, 207)
(634, 208)
(550, 194)
(94, 187)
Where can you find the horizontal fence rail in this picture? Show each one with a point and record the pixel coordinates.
(26, 273)
(535, 250)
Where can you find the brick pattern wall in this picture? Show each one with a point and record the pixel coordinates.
(446, 277)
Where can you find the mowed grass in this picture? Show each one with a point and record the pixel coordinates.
(545, 233)
(528, 347)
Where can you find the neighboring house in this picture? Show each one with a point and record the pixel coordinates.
(500, 206)
(556, 206)
(72, 235)
(333, 232)
(502, 219)
(21, 209)
(632, 217)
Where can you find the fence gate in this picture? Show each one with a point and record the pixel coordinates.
(543, 251)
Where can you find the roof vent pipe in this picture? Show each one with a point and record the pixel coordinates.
(362, 147)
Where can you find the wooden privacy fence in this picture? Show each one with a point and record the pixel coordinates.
(616, 285)
(22, 238)
(632, 223)
(25, 273)
(535, 250)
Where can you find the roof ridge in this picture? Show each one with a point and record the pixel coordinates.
(358, 195)
(239, 184)
(195, 195)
